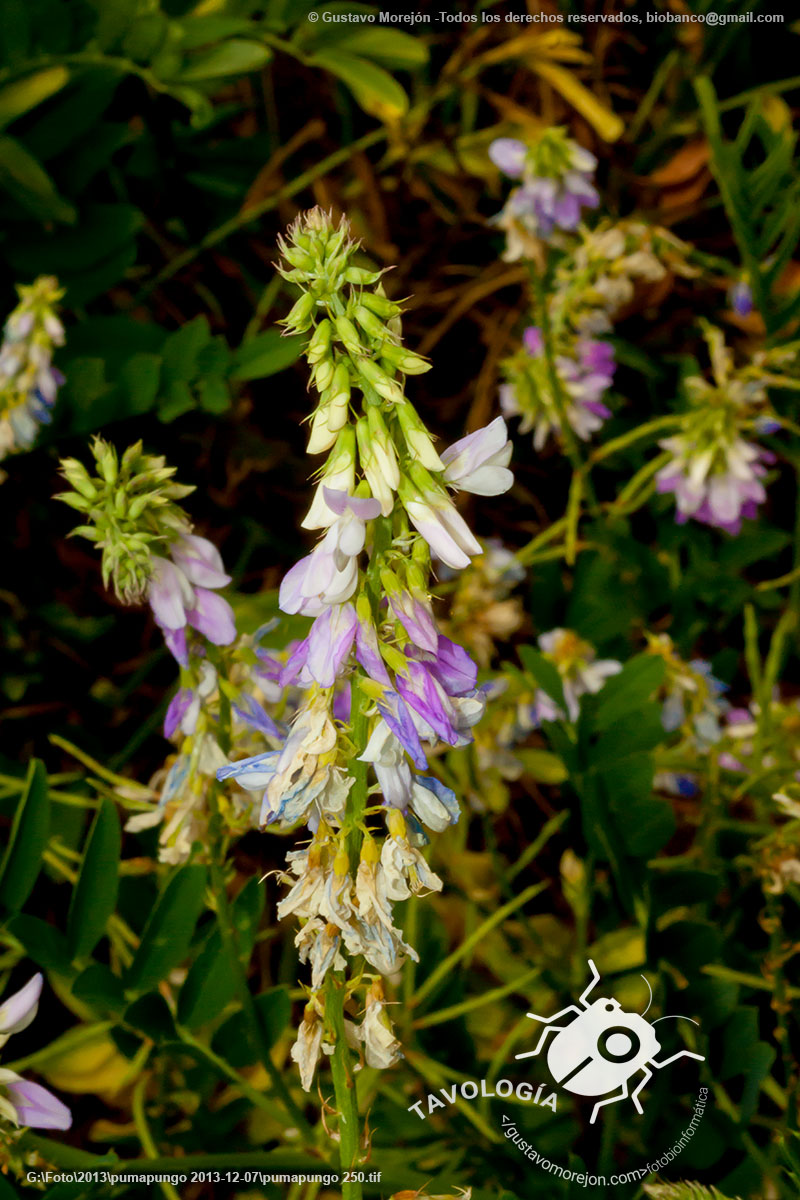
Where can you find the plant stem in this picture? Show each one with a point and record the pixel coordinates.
(227, 932)
(145, 1137)
(344, 1085)
(335, 989)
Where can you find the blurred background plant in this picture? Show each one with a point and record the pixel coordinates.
(646, 815)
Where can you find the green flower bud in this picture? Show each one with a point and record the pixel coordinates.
(405, 360)
(387, 388)
(370, 323)
(380, 305)
(349, 336)
(299, 318)
(320, 343)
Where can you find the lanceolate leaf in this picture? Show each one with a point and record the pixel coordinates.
(165, 941)
(95, 894)
(26, 844)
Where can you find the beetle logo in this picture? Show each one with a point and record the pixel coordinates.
(603, 1048)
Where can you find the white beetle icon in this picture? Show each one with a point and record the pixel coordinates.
(601, 1050)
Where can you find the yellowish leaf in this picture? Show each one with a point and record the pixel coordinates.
(605, 122)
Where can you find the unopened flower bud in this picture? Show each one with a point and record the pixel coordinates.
(349, 336)
(320, 344)
(299, 317)
(417, 437)
(370, 323)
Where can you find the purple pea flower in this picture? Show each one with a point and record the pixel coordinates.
(184, 703)
(414, 614)
(367, 651)
(254, 715)
(453, 668)
(33, 1104)
(426, 696)
(329, 643)
(478, 463)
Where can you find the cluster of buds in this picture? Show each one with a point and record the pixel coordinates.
(29, 382)
(132, 514)
(383, 687)
(21, 1101)
(715, 468)
(598, 280)
(556, 184)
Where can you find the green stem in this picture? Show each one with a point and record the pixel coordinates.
(344, 1085)
(145, 1137)
(335, 989)
(229, 939)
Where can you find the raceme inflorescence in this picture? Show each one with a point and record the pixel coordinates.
(29, 382)
(381, 685)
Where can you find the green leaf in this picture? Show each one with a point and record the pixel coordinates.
(375, 90)
(151, 1016)
(24, 94)
(95, 895)
(177, 401)
(390, 47)
(204, 30)
(214, 395)
(234, 57)
(275, 1009)
(266, 354)
(544, 673)
(166, 938)
(181, 350)
(27, 841)
(28, 183)
(627, 691)
(98, 987)
(140, 378)
(645, 821)
(210, 985)
(43, 943)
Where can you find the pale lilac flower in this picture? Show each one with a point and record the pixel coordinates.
(23, 1102)
(444, 529)
(508, 155)
(719, 486)
(316, 581)
(426, 697)
(329, 644)
(367, 649)
(414, 613)
(26, 1103)
(584, 378)
(20, 1009)
(478, 463)
(556, 182)
(179, 594)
